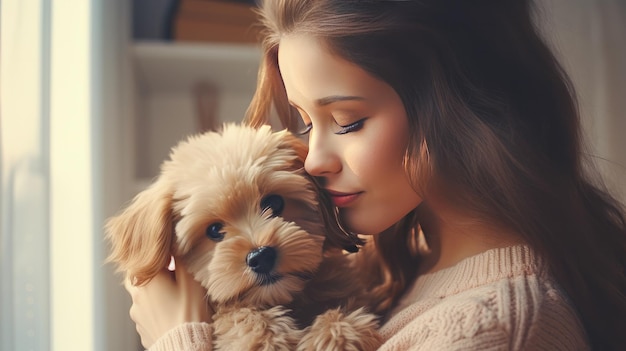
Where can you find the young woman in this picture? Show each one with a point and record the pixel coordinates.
(449, 118)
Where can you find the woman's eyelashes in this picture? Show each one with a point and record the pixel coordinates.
(352, 127)
(307, 124)
(339, 129)
(307, 128)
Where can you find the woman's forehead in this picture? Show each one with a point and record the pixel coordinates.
(311, 72)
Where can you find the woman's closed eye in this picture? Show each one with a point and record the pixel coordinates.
(352, 127)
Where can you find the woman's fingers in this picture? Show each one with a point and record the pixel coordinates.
(152, 307)
(193, 290)
(168, 300)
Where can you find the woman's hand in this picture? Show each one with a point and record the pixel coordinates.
(168, 300)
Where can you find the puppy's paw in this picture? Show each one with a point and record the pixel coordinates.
(256, 330)
(337, 331)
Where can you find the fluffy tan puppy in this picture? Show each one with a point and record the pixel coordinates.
(238, 209)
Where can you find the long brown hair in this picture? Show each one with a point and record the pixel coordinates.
(492, 113)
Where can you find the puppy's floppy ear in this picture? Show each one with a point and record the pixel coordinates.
(142, 235)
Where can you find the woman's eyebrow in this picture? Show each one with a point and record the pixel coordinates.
(330, 99)
(334, 98)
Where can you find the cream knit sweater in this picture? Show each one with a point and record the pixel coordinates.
(496, 300)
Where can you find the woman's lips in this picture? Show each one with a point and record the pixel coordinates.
(343, 199)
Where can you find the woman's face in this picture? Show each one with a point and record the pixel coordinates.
(358, 134)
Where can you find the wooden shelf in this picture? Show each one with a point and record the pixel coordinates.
(176, 67)
(166, 77)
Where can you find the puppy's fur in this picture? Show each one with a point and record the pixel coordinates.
(238, 209)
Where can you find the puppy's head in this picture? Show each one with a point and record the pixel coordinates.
(237, 208)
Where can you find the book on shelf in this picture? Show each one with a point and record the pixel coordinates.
(216, 21)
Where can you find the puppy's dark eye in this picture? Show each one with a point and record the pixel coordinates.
(214, 231)
(273, 202)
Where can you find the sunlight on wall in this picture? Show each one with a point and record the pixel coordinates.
(71, 178)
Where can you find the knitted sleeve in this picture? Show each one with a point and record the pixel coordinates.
(512, 314)
(557, 325)
(186, 337)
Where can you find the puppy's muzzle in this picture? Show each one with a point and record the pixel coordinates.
(262, 260)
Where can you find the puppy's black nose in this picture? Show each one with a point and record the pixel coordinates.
(262, 259)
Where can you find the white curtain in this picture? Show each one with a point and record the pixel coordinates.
(24, 172)
(589, 37)
(60, 63)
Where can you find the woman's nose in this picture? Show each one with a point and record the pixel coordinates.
(322, 159)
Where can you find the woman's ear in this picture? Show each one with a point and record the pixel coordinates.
(142, 235)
